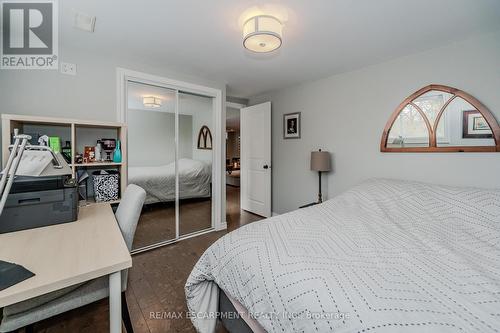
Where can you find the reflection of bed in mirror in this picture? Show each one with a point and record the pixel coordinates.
(195, 179)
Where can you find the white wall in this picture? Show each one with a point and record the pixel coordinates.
(151, 137)
(202, 110)
(345, 114)
(91, 94)
(155, 131)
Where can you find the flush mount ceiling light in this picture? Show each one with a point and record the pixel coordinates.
(151, 102)
(262, 33)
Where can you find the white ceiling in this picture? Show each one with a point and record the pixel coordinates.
(321, 37)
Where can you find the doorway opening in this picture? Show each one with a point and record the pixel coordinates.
(233, 144)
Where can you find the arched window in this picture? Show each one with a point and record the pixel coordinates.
(438, 118)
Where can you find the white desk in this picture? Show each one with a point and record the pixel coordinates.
(66, 254)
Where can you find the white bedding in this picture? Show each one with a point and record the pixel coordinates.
(386, 256)
(159, 182)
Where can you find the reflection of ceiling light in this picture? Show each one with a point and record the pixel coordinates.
(151, 102)
(262, 33)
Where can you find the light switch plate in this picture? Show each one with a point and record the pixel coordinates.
(68, 68)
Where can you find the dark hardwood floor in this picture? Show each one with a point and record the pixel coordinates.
(156, 284)
(157, 222)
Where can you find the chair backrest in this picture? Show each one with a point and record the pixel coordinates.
(129, 211)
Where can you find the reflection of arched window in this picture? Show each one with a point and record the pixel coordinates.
(204, 138)
(441, 119)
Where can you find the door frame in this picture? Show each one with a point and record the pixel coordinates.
(237, 106)
(218, 148)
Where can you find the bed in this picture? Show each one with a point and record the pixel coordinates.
(195, 179)
(385, 256)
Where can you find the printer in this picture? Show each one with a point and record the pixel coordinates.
(38, 201)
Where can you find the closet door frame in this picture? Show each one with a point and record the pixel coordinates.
(218, 149)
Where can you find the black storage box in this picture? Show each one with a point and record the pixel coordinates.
(34, 209)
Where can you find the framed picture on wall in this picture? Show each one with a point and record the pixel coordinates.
(291, 125)
(475, 126)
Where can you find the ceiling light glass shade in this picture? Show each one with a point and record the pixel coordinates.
(151, 102)
(262, 33)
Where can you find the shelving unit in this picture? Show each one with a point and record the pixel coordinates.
(79, 132)
(95, 164)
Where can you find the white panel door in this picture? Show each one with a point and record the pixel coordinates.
(255, 154)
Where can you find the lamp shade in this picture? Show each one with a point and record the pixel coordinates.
(320, 161)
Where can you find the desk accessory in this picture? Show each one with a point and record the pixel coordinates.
(43, 140)
(82, 176)
(79, 158)
(98, 151)
(11, 274)
(117, 154)
(89, 154)
(55, 144)
(66, 151)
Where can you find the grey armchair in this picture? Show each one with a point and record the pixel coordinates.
(33, 310)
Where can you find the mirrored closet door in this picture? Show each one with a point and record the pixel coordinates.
(170, 157)
(195, 163)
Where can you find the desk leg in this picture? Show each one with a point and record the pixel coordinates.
(115, 307)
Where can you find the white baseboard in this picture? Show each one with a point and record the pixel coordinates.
(221, 226)
(275, 214)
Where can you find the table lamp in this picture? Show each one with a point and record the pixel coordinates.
(320, 161)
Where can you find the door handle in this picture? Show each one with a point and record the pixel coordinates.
(266, 166)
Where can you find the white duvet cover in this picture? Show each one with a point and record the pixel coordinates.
(159, 182)
(386, 256)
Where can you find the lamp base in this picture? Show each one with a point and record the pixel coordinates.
(320, 196)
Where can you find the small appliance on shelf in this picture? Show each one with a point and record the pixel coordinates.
(108, 146)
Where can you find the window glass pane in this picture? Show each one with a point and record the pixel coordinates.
(409, 130)
(431, 103)
(463, 125)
